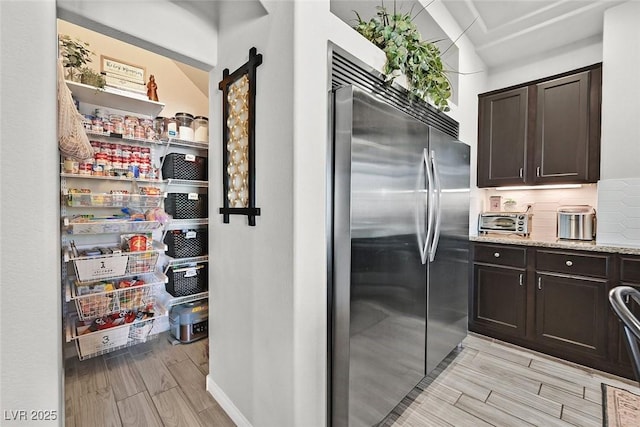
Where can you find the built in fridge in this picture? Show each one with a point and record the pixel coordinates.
(399, 254)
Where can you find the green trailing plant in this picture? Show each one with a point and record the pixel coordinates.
(75, 55)
(90, 77)
(420, 61)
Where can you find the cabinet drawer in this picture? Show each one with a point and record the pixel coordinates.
(630, 269)
(501, 255)
(573, 263)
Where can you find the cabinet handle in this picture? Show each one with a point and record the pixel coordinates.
(496, 254)
(521, 279)
(538, 171)
(540, 283)
(569, 263)
(521, 172)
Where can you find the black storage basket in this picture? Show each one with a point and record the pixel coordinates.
(175, 166)
(181, 244)
(180, 206)
(187, 280)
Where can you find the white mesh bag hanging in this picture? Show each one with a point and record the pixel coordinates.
(72, 139)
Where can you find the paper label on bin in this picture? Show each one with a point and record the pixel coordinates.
(190, 157)
(190, 272)
(193, 196)
(190, 235)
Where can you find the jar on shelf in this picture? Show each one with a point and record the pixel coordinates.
(170, 127)
(200, 127)
(158, 126)
(105, 148)
(118, 123)
(108, 127)
(96, 146)
(139, 132)
(96, 125)
(184, 126)
(87, 121)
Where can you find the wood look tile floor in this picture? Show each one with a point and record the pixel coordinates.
(486, 383)
(491, 383)
(152, 384)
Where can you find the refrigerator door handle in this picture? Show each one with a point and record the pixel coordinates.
(430, 211)
(437, 192)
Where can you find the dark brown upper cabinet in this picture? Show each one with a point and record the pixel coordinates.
(541, 132)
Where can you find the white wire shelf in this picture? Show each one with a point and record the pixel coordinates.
(179, 224)
(177, 262)
(105, 298)
(169, 300)
(107, 226)
(116, 137)
(184, 143)
(108, 200)
(191, 183)
(90, 344)
(110, 178)
(112, 266)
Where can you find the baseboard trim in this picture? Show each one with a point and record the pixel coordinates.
(223, 400)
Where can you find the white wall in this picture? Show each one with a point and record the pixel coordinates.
(251, 285)
(568, 58)
(160, 26)
(30, 331)
(620, 151)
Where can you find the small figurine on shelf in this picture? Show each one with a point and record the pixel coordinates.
(152, 88)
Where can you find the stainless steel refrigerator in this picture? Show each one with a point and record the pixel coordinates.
(399, 254)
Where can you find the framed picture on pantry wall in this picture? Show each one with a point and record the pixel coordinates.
(123, 70)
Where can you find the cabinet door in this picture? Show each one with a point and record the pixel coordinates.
(571, 314)
(499, 299)
(502, 138)
(562, 130)
(629, 276)
(623, 351)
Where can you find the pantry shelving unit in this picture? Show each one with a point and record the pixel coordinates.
(127, 304)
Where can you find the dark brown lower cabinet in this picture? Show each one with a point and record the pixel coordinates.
(629, 276)
(554, 301)
(500, 298)
(571, 314)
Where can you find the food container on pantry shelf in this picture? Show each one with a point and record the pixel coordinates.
(200, 127)
(186, 205)
(118, 123)
(184, 166)
(87, 121)
(96, 125)
(170, 127)
(158, 126)
(184, 126)
(186, 243)
(187, 280)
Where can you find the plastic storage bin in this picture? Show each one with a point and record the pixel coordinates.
(184, 166)
(186, 243)
(187, 279)
(186, 206)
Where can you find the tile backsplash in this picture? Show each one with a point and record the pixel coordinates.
(545, 204)
(619, 212)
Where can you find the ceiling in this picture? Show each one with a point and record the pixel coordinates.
(511, 31)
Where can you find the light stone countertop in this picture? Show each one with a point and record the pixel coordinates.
(552, 242)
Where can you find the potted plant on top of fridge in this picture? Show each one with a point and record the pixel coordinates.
(420, 61)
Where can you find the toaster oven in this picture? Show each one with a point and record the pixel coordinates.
(505, 222)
